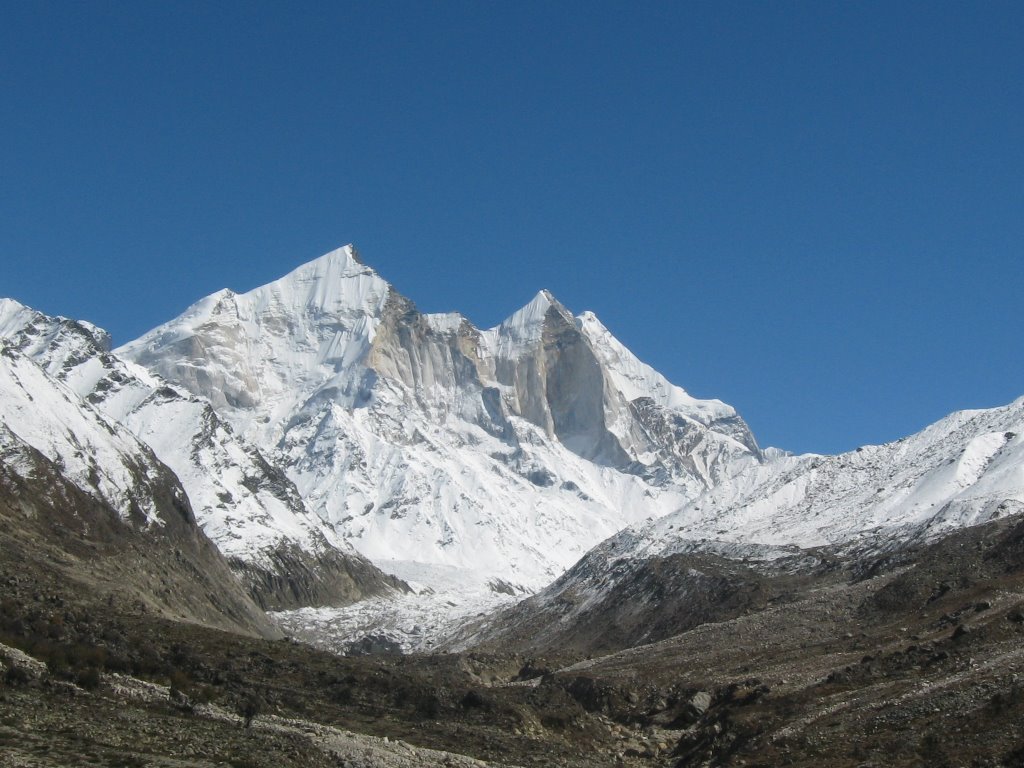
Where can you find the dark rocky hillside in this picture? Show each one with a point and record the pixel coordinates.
(58, 538)
(911, 659)
(600, 608)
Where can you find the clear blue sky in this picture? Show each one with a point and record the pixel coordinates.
(813, 211)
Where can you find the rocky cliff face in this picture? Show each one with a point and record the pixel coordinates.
(246, 505)
(420, 438)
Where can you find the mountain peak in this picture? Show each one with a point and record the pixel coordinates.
(334, 372)
(33, 330)
(339, 263)
(13, 315)
(540, 303)
(528, 322)
(337, 284)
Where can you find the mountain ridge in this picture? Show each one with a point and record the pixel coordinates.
(382, 413)
(486, 462)
(796, 515)
(246, 505)
(83, 499)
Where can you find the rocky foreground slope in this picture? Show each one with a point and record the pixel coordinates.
(908, 660)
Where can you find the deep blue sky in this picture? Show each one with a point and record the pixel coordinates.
(812, 211)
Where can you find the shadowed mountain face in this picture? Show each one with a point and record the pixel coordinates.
(506, 452)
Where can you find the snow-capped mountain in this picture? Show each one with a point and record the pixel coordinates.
(321, 421)
(507, 452)
(247, 506)
(965, 469)
(106, 461)
(783, 516)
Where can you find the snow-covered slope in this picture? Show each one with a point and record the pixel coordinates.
(247, 506)
(964, 470)
(421, 439)
(323, 414)
(104, 460)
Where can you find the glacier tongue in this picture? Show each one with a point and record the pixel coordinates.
(505, 452)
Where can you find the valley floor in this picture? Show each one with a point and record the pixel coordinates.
(918, 661)
(128, 722)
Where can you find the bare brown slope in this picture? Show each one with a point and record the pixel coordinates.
(61, 536)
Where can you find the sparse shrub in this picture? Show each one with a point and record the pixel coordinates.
(13, 630)
(474, 700)
(341, 694)
(88, 678)
(147, 661)
(115, 662)
(930, 748)
(11, 617)
(249, 708)
(17, 676)
(534, 668)
(1003, 701)
(81, 655)
(556, 721)
(182, 656)
(55, 657)
(428, 706)
(1015, 757)
(180, 684)
(204, 694)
